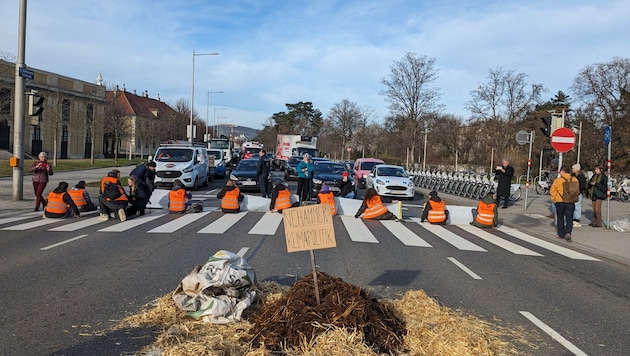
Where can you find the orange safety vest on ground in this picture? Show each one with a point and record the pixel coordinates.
(230, 199)
(56, 205)
(375, 208)
(328, 198)
(78, 197)
(283, 201)
(485, 213)
(106, 180)
(177, 200)
(437, 213)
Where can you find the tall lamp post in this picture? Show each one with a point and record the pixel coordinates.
(424, 154)
(214, 127)
(208, 113)
(192, 90)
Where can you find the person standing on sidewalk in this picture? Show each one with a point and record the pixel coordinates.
(577, 213)
(41, 171)
(504, 174)
(564, 207)
(597, 193)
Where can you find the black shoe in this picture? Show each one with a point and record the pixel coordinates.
(567, 237)
(504, 207)
(36, 209)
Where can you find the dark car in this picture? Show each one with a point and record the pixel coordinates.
(291, 171)
(328, 173)
(244, 174)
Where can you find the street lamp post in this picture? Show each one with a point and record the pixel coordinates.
(214, 127)
(192, 90)
(208, 113)
(424, 154)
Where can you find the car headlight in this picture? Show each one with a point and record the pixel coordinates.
(220, 165)
(317, 181)
(233, 177)
(410, 184)
(379, 182)
(188, 169)
(365, 176)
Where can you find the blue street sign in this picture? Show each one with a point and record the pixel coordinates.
(607, 135)
(26, 73)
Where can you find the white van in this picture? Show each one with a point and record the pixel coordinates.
(187, 163)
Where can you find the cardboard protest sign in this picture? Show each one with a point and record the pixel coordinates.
(308, 227)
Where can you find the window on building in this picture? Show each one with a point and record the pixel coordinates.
(65, 110)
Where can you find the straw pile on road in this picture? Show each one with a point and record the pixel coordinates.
(347, 322)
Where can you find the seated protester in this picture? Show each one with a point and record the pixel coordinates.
(434, 210)
(60, 203)
(373, 207)
(346, 187)
(486, 214)
(230, 197)
(81, 197)
(113, 176)
(280, 197)
(178, 198)
(138, 197)
(113, 198)
(325, 196)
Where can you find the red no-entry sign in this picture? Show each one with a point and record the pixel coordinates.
(563, 139)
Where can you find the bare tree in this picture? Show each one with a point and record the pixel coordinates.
(173, 126)
(342, 121)
(117, 125)
(411, 96)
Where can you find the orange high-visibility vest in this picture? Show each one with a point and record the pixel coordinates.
(56, 205)
(230, 199)
(328, 198)
(78, 197)
(106, 180)
(375, 208)
(437, 213)
(177, 200)
(283, 201)
(485, 213)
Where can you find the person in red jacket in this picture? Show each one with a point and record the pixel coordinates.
(230, 197)
(60, 204)
(373, 207)
(41, 170)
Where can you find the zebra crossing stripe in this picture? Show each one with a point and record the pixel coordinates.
(267, 225)
(130, 224)
(357, 230)
(83, 223)
(32, 224)
(222, 224)
(495, 240)
(547, 245)
(406, 236)
(450, 237)
(15, 218)
(178, 223)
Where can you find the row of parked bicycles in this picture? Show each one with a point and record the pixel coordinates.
(477, 185)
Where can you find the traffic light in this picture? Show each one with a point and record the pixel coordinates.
(546, 130)
(35, 105)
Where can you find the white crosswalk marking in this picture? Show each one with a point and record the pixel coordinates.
(547, 245)
(130, 224)
(178, 223)
(406, 236)
(267, 225)
(32, 224)
(82, 223)
(357, 230)
(495, 240)
(450, 237)
(222, 224)
(11, 219)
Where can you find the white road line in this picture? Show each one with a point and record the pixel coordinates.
(357, 230)
(464, 268)
(130, 224)
(402, 233)
(504, 244)
(32, 224)
(242, 251)
(450, 237)
(554, 335)
(267, 225)
(222, 224)
(62, 242)
(82, 223)
(546, 244)
(178, 223)
(15, 218)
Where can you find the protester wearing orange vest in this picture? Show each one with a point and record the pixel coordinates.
(178, 198)
(60, 203)
(434, 210)
(325, 196)
(373, 207)
(486, 215)
(81, 197)
(230, 197)
(112, 198)
(280, 197)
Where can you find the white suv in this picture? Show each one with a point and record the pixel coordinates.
(187, 163)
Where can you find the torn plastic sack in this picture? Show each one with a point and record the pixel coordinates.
(622, 225)
(218, 291)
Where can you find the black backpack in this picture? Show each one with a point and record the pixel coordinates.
(111, 191)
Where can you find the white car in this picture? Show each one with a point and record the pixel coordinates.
(391, 181)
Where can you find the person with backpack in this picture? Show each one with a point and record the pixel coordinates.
(564, 192)
(112, 197)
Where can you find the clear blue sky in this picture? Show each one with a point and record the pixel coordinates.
(278, 52)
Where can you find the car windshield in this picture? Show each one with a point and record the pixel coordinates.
(216, 154)
(391, 172)
(293, 161)
(247, 165)
(329, 168)
(367, 166)
(174, 155)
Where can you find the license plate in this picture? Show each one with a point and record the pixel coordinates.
(334, 189)
(249, 182)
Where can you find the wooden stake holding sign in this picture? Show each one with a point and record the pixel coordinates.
(309, 228)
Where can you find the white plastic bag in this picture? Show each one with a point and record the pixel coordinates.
(622, 225)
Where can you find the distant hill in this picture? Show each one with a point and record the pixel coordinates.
(238, 131)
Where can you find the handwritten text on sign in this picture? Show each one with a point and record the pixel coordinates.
(308, 227)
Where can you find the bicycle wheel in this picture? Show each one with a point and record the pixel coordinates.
(623, 196)
(540, 190)
(516, 195)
